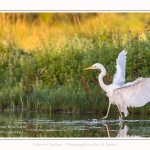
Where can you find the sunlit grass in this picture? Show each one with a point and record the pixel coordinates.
(17, 31)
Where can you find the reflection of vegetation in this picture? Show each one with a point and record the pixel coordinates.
(31, 124)
(41, 64)
(38, 124)
(8, 126)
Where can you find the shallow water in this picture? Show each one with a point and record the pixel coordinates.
(38, 124)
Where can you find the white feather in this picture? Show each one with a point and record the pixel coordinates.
(119, 76)
(134, 94)
(131, 94)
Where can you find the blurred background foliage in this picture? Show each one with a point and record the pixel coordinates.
(42, 57)
(32, 31)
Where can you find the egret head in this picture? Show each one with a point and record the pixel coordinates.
(95, 66)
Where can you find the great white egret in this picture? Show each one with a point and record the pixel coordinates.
(131, 94)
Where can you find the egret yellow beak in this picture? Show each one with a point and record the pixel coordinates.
(88, 68)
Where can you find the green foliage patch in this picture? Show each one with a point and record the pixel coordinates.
(53, 79)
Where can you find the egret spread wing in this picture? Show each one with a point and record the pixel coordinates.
(119, 76)
(135, 94)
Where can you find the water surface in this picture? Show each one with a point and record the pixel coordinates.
(39, 124)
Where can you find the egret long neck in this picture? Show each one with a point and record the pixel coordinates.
(100, 77)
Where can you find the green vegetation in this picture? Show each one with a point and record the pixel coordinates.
(49, 77)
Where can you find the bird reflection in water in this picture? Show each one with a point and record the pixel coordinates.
(121, 132)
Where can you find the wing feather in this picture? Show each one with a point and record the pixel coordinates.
(119, 76)
(135, 94)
